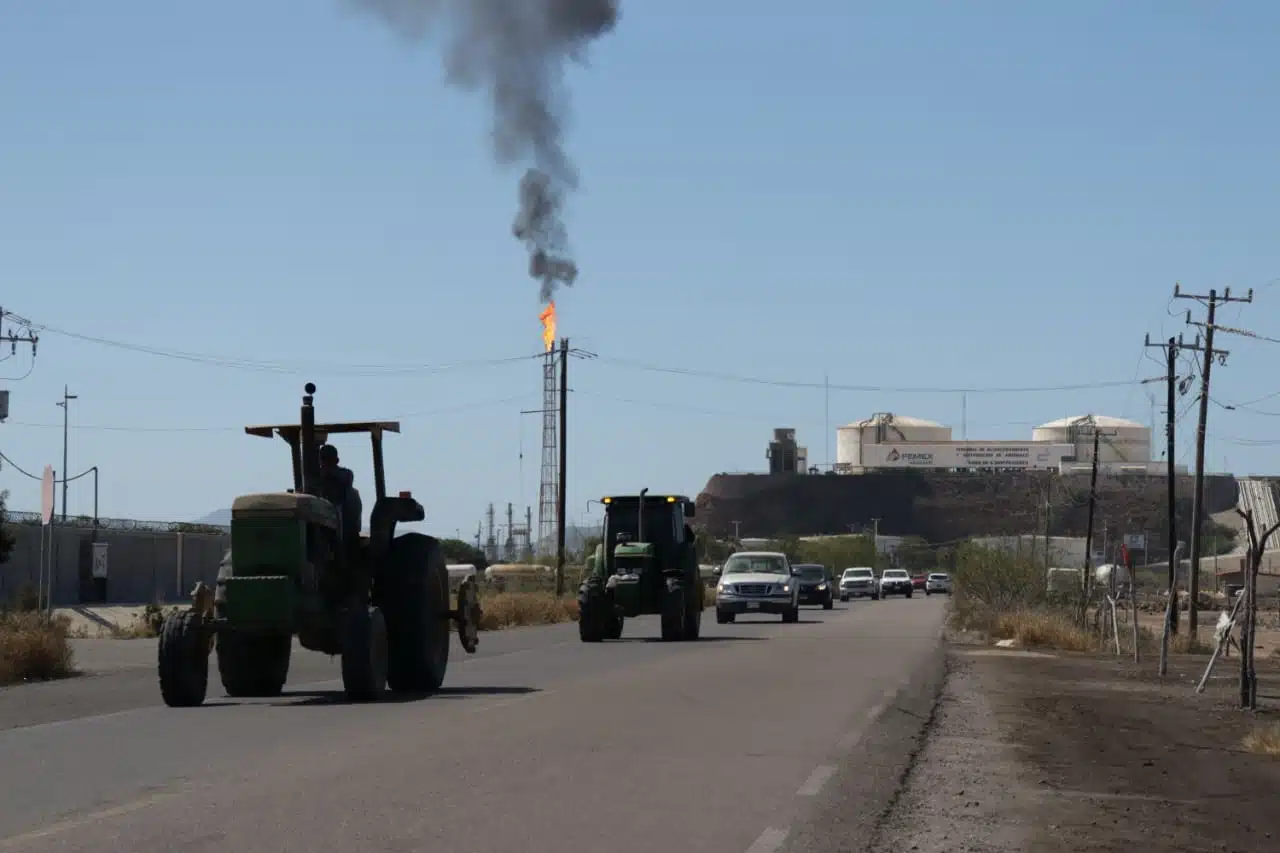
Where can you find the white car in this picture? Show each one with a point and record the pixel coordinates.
(939, 582)
(895, 582)
(757, 582)
(857, 582)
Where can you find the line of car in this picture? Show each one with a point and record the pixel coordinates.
(768, 582)
(862, 582)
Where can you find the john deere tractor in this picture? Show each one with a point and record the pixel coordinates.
(645, 563)
(299, 566)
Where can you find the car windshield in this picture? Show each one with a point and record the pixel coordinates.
(743, 564)
(811, 572)
(894, 573)
(857, 573)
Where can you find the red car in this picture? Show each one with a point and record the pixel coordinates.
(917, 581)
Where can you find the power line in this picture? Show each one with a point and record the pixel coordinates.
(276, 366)
(886, 389)
(403, 417)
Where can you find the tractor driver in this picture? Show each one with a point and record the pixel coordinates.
(337, 485)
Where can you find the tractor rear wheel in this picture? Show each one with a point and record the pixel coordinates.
(416, 598)
(364, 653)
(613, 627)
(253, 664)
(184, 660)
(674, 611)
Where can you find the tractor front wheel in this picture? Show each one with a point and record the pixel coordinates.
(184, 660)
(364, 653)
(589, 621)
(253, 664)
(674, 613)
(693, 612)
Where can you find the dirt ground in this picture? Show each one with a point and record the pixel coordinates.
(1049, 752)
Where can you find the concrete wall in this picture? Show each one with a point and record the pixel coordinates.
(142, 566)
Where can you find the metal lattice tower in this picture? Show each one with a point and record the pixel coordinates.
(550, 456)
(491, 541)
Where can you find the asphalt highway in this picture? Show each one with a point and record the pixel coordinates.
(760, 737)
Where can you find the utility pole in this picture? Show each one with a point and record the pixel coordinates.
(1197, 503)
(66, 407)
(1171, 473)
(737, 527)
(564, 463)
(1088, 536)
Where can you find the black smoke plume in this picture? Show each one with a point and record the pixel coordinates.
(516, 51)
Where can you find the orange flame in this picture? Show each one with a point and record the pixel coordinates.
(548, 318)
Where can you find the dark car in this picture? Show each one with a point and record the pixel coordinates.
(815, 584)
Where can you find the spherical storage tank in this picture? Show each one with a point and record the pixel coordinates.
(1121, 440)
(885, 428)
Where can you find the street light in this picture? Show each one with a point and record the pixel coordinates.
(66, 410)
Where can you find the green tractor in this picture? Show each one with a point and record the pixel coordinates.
(299, 566)
(646, 563)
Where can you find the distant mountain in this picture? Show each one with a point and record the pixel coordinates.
(220, 517)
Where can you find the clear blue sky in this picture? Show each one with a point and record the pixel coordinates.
(986, 194)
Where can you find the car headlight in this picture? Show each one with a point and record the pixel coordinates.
(821, 587)
(725, 588)
(783, 587)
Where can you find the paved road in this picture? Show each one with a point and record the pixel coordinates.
(538, 743)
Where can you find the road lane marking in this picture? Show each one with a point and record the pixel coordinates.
(14, 841)
(769, 841)
(813, 785)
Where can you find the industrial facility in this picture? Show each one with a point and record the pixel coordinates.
(889, 441)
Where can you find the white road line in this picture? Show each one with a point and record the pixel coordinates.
(769, 841)
(816, 780)
(849, 741)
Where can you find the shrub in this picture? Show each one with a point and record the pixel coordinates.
(34, 647)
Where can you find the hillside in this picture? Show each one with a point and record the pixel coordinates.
(943, 506)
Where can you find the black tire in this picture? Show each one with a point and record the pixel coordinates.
(723, 618)
(253, 664)
(590, 627)
(792, 615)
(613, 628)
(415, 599)
(693, 613)
(844, 598)
(829, 603)
(183, 660)
(673, 614)
(364, 653)
(909, 593)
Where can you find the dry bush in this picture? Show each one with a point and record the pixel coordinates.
(1045, 629)
(516, 609)
(34, 647)
(1264, 740)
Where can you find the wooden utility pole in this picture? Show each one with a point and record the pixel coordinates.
(1171, 472)
(1088, 536)
(564, 464)
(1197, 501)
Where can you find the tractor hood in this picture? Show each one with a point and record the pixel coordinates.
(631, 557)
(633, 549)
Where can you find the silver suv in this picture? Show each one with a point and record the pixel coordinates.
(859, 582)
(757, 582)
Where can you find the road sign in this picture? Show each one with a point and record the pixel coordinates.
(99, 559)
(46, 495)
(1135, 541)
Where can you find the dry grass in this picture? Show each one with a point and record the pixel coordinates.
(34, 648)
(1264, 740)
(1043, 629)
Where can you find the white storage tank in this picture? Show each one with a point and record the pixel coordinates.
(1121, 441)
(884, 428)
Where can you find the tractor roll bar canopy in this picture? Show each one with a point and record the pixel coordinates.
(292, 433)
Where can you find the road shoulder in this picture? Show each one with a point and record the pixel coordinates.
(1046, 752)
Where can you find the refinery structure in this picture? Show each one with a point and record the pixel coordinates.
(886, 441)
